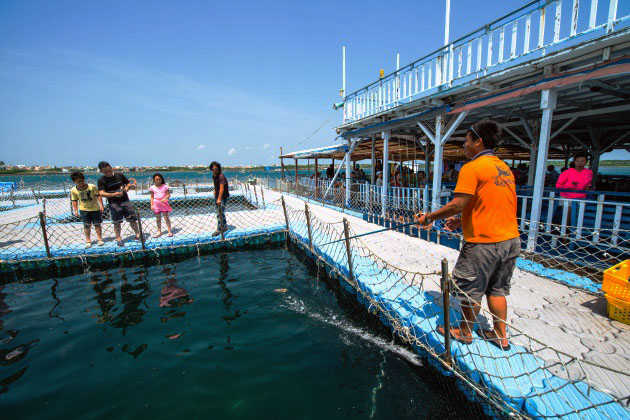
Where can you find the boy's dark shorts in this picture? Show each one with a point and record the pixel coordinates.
(124, 209)
(486, 268)
(91, 218)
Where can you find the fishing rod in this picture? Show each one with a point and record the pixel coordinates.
(370, 233)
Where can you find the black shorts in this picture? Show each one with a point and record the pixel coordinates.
(91, 218)
(486, 268)
(123, 209)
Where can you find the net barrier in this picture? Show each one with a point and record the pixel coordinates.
(574, 244)
(531, 380)
(54, 232)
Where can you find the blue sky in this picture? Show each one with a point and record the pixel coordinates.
(165, 82)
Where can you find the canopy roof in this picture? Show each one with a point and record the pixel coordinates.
(404, 148)
(336, 151)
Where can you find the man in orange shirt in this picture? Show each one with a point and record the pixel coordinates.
(485, 196)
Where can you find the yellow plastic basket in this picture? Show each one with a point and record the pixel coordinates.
(618, 309)
(616, 281)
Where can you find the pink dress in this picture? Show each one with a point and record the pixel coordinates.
(158, 194)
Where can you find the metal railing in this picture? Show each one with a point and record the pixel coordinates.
(528, 32)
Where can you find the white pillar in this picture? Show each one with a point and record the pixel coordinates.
(348, 172)
(531, 174)
(438, 154)
(384, 191)
(547, 104)
(372, 173)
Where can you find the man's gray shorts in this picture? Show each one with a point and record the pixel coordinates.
(486, 268)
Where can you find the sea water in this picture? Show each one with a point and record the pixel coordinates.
(251, 334)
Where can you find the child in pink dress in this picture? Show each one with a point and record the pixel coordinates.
(159, 203)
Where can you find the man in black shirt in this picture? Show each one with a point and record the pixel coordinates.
(114, 187)
(221, 194)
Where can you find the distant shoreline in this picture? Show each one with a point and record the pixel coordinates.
(288, 167)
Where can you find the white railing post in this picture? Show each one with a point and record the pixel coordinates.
(574, 17)
(612, 16)
(593, 16)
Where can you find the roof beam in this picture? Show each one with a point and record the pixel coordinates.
(611, 145)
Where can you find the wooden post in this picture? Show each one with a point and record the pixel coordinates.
(184, 185)
(446, 291)
(308, 225)
(42, 222)
(286, 218)
(140, 229)
(346, 232)
(34, 195)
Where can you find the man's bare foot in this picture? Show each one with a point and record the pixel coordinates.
(491, 337)
(457, 334)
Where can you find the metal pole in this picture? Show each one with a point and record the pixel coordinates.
(384, 191)
(447, 22)
(262, 195)
(348, 172)
(184, 185)
(343, 72)
(438, 154)
(446, 286)
(346, 233)
(42, 222)
(308, 225)
(12, 198)
(373, 169)
(256, 195)
(222, 225)
(548, 104)
(140, 229)
(35, 196)
(282, 164)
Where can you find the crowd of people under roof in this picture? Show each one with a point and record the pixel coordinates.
(574, 177)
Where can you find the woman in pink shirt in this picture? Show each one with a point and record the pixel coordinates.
(575, 179)
(159, 203)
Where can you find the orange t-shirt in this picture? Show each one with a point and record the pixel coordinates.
(490, 215)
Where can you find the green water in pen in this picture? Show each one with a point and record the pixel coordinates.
(240, 335)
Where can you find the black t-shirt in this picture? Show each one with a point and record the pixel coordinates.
(112, 184)
(218, 180)
(330, 172)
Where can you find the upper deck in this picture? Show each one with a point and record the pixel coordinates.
(537, 39)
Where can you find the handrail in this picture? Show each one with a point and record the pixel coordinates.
(508, 38)
(441, 49)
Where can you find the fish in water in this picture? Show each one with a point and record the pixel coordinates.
(280, 290)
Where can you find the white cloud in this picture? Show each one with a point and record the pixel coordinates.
(201, 147)
(231, 151)
(266, 146)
